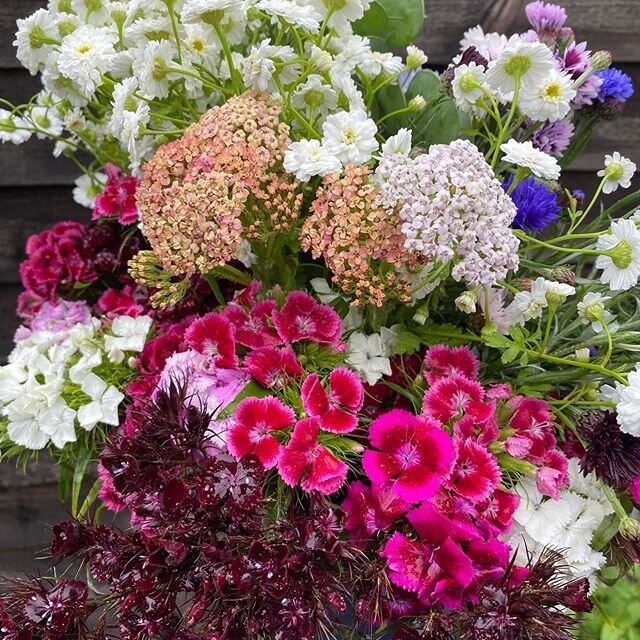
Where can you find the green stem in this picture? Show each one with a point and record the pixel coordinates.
(505, 128)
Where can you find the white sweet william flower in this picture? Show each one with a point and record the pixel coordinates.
(591, 309)
(259, 66)
(528, 304)
(524, 154)
(152, 68)
(368, 357)
(621, 264)
(618, 172)
(12, 128)
(35, 39)
(129, 334)
(343, 12)
(628, 402)
(469, 85)
(88, 188)
(529, 61)
(12, 380)
(104, 404)
(85, 56)
(350, 136)
(309, 158)
(322, 289)
(58, 422)
(400, 144)
(245, 255)
(550, 100)
(305, 17)
(314, 97)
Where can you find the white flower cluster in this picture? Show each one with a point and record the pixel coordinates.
(528, 305)
(567, 525)
(57, 380)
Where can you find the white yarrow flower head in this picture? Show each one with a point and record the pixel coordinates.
(524, 154)
(13, 128)
(621, 264)
(85, 56)
(400, 144)
(309, 158)
(531, 62)
(591, 309)
(469, 85)
(350, 136)
(35, 39)
(528, 305)
(550, 100)
(298, 15)
(628, 403)
(369, 357)
(618, 172)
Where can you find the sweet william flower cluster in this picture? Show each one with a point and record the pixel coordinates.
(338, 343)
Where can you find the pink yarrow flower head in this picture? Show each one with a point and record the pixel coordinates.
(336, 410)
(273, 366)
(414, 452)
(255, 421)
(118, 198)
(306, 461)
(442, 361)
(302, 318)
(253, 329)
(213, 336)
(456, 396)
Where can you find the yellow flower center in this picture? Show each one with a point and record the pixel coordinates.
(552, 92)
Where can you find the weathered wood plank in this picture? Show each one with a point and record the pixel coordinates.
(10, 11)
(8, 321)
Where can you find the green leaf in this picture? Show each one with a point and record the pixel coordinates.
(510, 355)
(82, 464)
(407, 342)
(392, 99)
(64, 482)
(231, 273)
(397, 22)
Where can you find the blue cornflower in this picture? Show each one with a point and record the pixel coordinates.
(615, 84)
(537, 206)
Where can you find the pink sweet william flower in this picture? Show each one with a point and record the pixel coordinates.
(213, 336)
(302, 318)
(255, 420)
(498, 511)
(304, 460)
(442, 361)
(337, 409)
(415, 452)
(118, 198)
(533, 428)
(253, 329)
(553, 475)
(476, 473)
(271, 366)
(456, 396)
(119, 303)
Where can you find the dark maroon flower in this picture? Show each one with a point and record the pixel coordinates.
(55, 610)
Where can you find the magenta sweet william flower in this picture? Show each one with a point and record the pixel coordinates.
(304, 460)
(497, 512)
(213, 336)
(476, 473)
(253, 329)
(302, 318)
(457, 396)
(118, 198)
(533, 428)
(415, 452)
(336, 410)
(635, 490)
(255, 421)
(442, 361)
(119, 303)
(553, 474)
(272, 366)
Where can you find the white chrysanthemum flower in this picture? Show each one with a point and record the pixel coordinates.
(489, 45)
(469, 85)
(550, 100)
(35, 39)
(314, 97)
(351, 52)
(260, 66)
(309, 158)
(416, 57)
(400, 144)
(61, 87)
(151, 28)
(201, 45)
(293, 13)
(87, 189)
(529, 61)
(527, 305)
(524, 154)
(558, 292)
(627, 405)
(621, 265)
(347, 86)
(66, 23)
(350, 136)
(85, 56)
(47, 120)
(210, 11)
(94, 12)
(13, 128)
(343, 12)
(378, 61)
(368, 357)
(618, 172)
(591, 309)
(152, 68)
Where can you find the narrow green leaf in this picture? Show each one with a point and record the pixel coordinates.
(82, 464)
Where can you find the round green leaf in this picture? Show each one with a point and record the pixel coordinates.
(397, 22)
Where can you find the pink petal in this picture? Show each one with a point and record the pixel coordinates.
(314, 398)
(432, 526)
(391, 430)
(305, 435)
(291, 465)
(337, 420)
(453, 561)
(267, 451)
(406, 560)
(346, 389)
(380, 466)
(327, 473)
(417, 484)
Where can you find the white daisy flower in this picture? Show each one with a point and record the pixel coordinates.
(591, 309)
(469, 85)
(35, 39)
(305, 17)
(151, 68)
(558, 292)
(87, 189)
(201, 45)
(466, 302)
(85, 56)
(378, 61)
(210, 11)
(260, 66)
(618, 172)
(350, 136)
(309, 158)
(351, 52)
(530, 61)
(344, 12)
(94, 12)
(150, 28)
(621, 265)
(627, 405)
(524, 154)
(319, 59)
(346, 85)
(315, 97)
(47, 120)
(12, 128)
(528, 304)
(550, 100)
(368, 357)
(400, 144)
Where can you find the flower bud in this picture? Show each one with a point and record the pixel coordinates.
(601, 60)
(467, 302)
(582, 355)
(417, 104)
(416, 57)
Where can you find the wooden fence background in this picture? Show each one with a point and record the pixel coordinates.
(35, 193)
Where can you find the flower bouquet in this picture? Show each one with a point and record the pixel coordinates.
(338, 344)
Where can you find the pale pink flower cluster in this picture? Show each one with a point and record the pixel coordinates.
(454, 211)
(218, 185)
